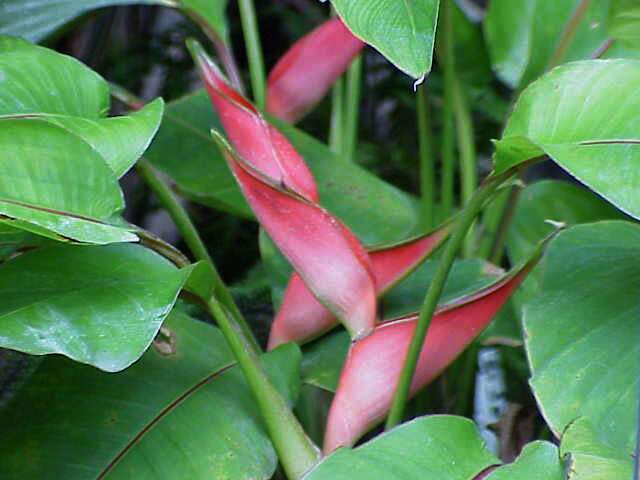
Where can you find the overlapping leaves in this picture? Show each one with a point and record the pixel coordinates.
(63, 156)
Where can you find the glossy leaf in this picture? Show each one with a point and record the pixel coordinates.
(427, 447)
(583, 116)
(37, 19)
(523, 35)
(326, 255)
(57, 182)
(537, 461)
(304, 74)
(624, 21)
(373, 209)
(96, 305)
(403, 31)
(44, 84)
(12, 239)
(587, 458)
(582, 331)
(549, 200)
(373, 364)
(186, 414)
(301, 317)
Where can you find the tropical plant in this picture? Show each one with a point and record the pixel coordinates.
(122, 358)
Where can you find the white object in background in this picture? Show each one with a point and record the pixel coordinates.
(489, 400)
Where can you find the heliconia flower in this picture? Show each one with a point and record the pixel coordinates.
(250, 134)
(301, 317)
(327, 256)
(303, 75)
(373, 364)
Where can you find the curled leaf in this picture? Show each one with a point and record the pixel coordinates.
(303, 75)
(327, 256)
(374, 364)
(301, 317)
(255, 140)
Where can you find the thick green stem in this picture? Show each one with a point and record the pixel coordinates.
(254, 51)
(466, 147)
(431, 299)
(336, 127)
(191, 237)
(447, 60)
(427, 194)
(465, 378)
(352, 104)
(295, 450)
(567, 34)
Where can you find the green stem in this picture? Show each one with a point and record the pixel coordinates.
(336, 127)
(427, 194)
(431, 299)
(191, 237)
(446, 56)
(466, 147)
(567, 34)
(352, 104)
(254, 51)
(295, 450)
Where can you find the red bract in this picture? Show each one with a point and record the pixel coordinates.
(373, 365)
(301, 317)
(326, 255)
(304, 74)
(251, 136)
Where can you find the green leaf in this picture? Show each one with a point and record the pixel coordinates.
(537, 461)
(582, 331)
(182, 415)
(183, 149)
(523, 34)
(36, 19)
(584, 116)
(549, 200)
(41, 83)
(586, 458)
(439, 447)
(402, 30)
(11, 239)
(96, 305)
(58, 182)
(552, 200)
(323, 358)
(624, 21)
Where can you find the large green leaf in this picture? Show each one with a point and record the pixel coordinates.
(36, 19)
(523, 34)
(586, 117)
(582, 331)
(41, 83)
(537, 461)
(624, 21)
(586, 458)
(57, 182)
(402, 30)
(182, 415)
(376, 211)
(549, 200)
(96, 305)
(439, 447)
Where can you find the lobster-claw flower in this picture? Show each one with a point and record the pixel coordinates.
(281, 191)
